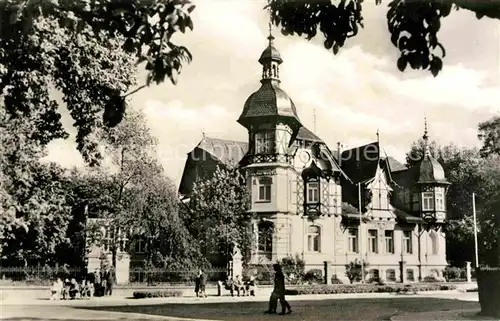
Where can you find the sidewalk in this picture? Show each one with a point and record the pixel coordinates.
(262, 296)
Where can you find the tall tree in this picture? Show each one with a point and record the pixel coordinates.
(86, 50)
(218, 216)
(413, 25)
(152, 212)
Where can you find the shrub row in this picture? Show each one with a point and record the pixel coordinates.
(368, 288)
(156, 294)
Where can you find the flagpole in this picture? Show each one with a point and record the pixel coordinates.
(475, 228)
(360, 235)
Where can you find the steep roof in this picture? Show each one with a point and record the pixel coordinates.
(395, 165)
(229, 152)
(306, 134)
(360, 164)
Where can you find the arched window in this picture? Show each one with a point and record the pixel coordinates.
(434, 243)
(410, 276)
(265, 237)
(390, 275)
(314, 238)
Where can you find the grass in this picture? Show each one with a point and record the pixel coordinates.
(318, 310)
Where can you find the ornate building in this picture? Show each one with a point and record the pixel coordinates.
(310, 197)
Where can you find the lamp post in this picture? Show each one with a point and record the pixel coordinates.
(475, 228)
(360, 235)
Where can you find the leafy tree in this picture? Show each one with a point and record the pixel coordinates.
(218, 216)
(40, 202)
(489, 134)
(86, 50)
(152, 212)
(413, 25)
(417, 151)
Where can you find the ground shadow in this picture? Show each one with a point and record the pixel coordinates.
(335, 309)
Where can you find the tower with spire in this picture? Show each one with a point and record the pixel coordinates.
(431, 184)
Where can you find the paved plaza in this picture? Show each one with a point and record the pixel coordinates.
(450, 305)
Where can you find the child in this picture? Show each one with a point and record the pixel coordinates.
(74, 289)
(56, 290)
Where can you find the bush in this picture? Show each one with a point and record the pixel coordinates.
(452, 273)
(488, 282)
(314, 276)
(293, 268)
(368, 288)
(157, 294)
(263, 273)
(353, 270)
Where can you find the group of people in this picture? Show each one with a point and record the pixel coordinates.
(240, 287)
(98, 283)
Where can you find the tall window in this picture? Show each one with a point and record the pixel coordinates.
(427, 201)
(439, 201)
(264, 194)
(266, 230)
(372, 241)
(312, 194)
(407, 242)
(314, 238)
(264, 142)
(353, 240)
(434, 243)
(389, 241)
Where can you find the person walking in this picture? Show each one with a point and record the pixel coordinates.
(278, 293)
(203, 284)
(110, 281)
(197, 285)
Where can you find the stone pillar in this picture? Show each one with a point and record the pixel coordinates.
(94, 259)
(402, 274)
(327, 272)
(122, 268)
(237, 263)
(468, 272)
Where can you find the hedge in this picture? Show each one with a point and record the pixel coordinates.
(157, 294)
(368, 288)
(488, 282)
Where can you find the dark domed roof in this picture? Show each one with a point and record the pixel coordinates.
(270, 100)
(270, 53)
(431, 171)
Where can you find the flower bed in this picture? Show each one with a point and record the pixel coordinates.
(156, 294)
(488, 282)
(369, 288)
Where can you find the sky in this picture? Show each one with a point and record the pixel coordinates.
(351, 94)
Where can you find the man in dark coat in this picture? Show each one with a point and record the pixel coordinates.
(279, 293)
(110, 281)
(203, 284)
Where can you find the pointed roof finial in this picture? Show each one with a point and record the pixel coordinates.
(425, 137)
(203, 133)
(270, 37)
(427, 150)
(378, 136)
